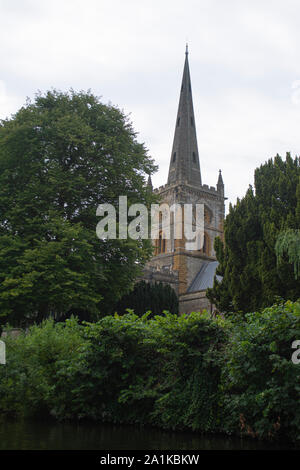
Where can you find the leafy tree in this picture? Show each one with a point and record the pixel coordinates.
(252, 278)
(155, 297)
(60, 157)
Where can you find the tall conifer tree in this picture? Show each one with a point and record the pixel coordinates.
(252, 277)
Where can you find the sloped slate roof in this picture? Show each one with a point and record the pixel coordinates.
(205, 277)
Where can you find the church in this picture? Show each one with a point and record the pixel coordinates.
(190, 273)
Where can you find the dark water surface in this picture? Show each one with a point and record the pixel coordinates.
(33, 435)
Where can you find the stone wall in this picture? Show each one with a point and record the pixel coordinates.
(195, 302)
(165, 275)
(13, 333)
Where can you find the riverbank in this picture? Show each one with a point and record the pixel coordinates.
(50, 435)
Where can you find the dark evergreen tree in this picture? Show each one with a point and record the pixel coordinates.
(252, 277)
(156, 297)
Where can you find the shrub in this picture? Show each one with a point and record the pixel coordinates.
(260, 383)
(35, 361)
(176, 372)
(191, 348)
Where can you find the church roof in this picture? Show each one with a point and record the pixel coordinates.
(184, 164)
(205, 277)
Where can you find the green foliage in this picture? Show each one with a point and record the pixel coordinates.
(60, 157)
(252, 277)
(288, 242)
(145, 297)
(121, 369)
(260, 383)
(36, 361)
(175, 372)
(118, 383)
(191, 348)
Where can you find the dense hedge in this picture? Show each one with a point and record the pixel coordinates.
(209, 375)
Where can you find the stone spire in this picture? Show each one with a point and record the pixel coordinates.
(184, 164)
(149, 184)
(220, 184)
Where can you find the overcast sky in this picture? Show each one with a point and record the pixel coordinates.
(244, 62)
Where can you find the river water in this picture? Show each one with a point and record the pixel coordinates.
(39, 435)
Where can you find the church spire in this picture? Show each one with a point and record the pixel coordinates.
(149, 184)
(184, 164)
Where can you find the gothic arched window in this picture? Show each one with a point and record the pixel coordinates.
(207, 215)
(160, 244)
(206, 245)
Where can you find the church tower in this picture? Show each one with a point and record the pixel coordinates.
(190, 272)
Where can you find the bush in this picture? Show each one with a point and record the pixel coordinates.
(191, 348)
(141, 370)
(31, 378)
(175, 372)
(260, 383)
(120, 369)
